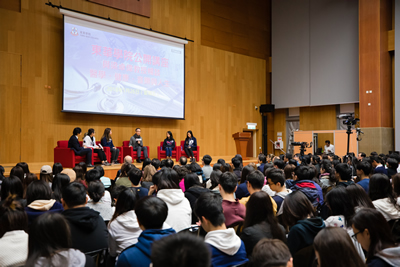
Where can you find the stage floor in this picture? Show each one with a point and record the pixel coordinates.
(111, 171)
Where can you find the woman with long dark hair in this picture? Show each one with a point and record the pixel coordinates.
(190, 145)
(25, 167)
(89, 141)
(106, 141)
(381, 194)
(123, 227)
(96, 193)
(28, 180)
(299, 216)
(359, 197)
(242, 190)
(17, 171)
(13, 236)
(260, 221)
(169, 145)
(60, 182)
(342, 211)
(373, 233)
(333, 247)
(193, 189)
(57, 168)
(50, 243)
(12, 186)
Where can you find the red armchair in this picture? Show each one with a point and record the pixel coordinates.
(66, 156)
(195, 153)
(107, 151)
(128, 151)
(162, 154)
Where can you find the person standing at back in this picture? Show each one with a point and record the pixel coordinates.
(136, 142)
(73, 143)
(190, 145)
(329, 148)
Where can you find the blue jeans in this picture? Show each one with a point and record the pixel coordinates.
(168, 151)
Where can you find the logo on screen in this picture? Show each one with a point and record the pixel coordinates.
(74, 31)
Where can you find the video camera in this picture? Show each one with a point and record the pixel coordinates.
(350, 120)
(299, 144)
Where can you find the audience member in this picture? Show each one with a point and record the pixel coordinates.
(105, 180)
(327, 177)
(279, 164)
(277, 183)
(242, 190)
(213, 183)
(179, 210)
(299, 216)
(17, 171)
(60, 181)
(88, 230)
(396, 185)
(46, 174)
(135, 176)
(71, 173)
(57, 168)
(124, 179)
(333, 247)
(373, 232)
(96, 193)
(151, 214)
(193, 190)
(227, 249)
(12, 186)
(262, 159)
(39, 200)
(260, 221)
(156, 163)
(183, 161)
(392, 165)
(127, 159)
(165, 251)
(13, 236)
(237, 169)
(24, 167)
(343, 174)
(381, 194)
(359, 197)
(234, 211)
(123, 229)
(50, 244)
(207, 169)
(146, 162)
(363, 171)
(271, 253)
(169, 163)
(28, 180)
(377, 165)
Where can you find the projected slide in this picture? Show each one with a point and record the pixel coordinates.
(111, 71)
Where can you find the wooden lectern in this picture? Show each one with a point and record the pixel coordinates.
(241, 140)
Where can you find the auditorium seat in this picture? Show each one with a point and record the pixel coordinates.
(195, 153)
(128, 151)
(68, 159)
(162, 154)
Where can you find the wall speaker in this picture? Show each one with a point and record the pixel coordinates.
(267, 108)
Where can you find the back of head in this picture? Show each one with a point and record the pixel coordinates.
(84, 167)
(100, 169)
(156, 163)
(296, 207)
(92, 175)
(79, 174)
(12, 215)
(164, 251)
(270, 253)
(207, 159)
(276, 176)
(151, 212)
(259, 209)
(38, 190)
(11, 186)
(226, 167)
(221, 161)
(135, 175)
(289, 170)
(182, 161)
(169, 179)
(215, 177)
(304, 173)
(228, 182)
(125, 168)
(181, 171)
(280, 164)
(217, 166)
(293, 162)
(57, 168)
(262, 158)
(146, 162)
(195, 168)
(256, 179)
(380, 187)
(74, 195)
(358, 196)
(246, 171)
(60, 181)
(17, 171)
(364, 166)
(392, 163)
(396, 184)
(169, 163)
(378, 228)
(289, 156)
(24, 167)
(340, 203)
(191, 179)
(96, 190)
(335, 248)
(128, 159)
(236, 163)
(127, 199)
(48, 234)
(209, 206)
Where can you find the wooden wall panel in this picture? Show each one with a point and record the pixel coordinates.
(318, 118)
(10, 108)
(280, 126)
(137, 7)
(222, 87)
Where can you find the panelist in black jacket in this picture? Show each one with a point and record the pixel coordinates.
(73, 143)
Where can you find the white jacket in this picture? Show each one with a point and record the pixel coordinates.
(123, 232)
(14, 248)
(387, 209)
(69, 257)
(179, 210)
(87, 141)
(224, 240)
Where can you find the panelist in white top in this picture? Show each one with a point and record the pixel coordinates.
(89, 141)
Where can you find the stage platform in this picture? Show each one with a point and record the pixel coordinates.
(111, 171)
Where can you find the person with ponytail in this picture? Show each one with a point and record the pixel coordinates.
(96, 192)
(89, 141)
(13, 236)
